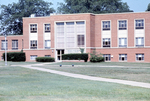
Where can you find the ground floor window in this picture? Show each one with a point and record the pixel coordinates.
(107, 57)
(122, 57)
(33, 57)
(47, 55)
(139, 57)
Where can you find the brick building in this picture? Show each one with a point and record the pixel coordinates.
(118, 36)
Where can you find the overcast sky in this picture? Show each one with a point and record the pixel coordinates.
(135, 5)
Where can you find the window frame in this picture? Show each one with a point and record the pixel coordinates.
(81, 40)
(47, 28)
(138, 58)
(32, 42)
(33, 28)
(106, 25)
(16, 45)
(125, 43)
(32, 57)
(107, 57)
(108, 42)
(123, 57)
(46, 47)
(139, 24)
(142, 42)
(3, 42)
(122, 24)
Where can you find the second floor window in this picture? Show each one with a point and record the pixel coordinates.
(33, 44)
(47, 44)
(106, 42)
(33, 28)
(123, 25)
(122, 42)
(139, 41)
(4, 45)
(47, 28)
(139, 24)
(14, 44)
(106, 25)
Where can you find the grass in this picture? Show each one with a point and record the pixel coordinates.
(9, 63)
(131, 71)
(20, 84)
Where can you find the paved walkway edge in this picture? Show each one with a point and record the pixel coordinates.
(125, 82)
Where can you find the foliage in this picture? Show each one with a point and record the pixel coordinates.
(15, 56)
(11, 15)
(93, 6)
(148, 7)
(75, 56)
(82, 50)
(95, 57)
(45, 59)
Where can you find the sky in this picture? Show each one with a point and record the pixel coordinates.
(135, 5)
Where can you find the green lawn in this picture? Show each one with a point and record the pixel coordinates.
(20, 84)
(130, 71)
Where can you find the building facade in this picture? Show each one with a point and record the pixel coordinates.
(119, 36)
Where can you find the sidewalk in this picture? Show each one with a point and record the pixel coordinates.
(125, 82)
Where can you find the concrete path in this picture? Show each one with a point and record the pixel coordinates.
(125, 82)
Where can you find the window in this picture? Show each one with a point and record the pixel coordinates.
(123, 25)
(33, 44)
(106, 42)
(139, 41)
(122, 57)
(139, 24)
(47, 28)
(3, 45)
(122, 42)
(47, 55)
(80, 40)
(139, 57)
(107, 57)
(106, 25)
(33, 28)
(70, 34)
(47, 44)
(33, 57)
(14, 44)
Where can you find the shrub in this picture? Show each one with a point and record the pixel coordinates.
(45, 59)
(15, 56)
(76, 56)
(95, 57)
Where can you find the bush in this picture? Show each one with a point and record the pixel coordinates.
(15, 56)
(45, 59)
(95, 57)
(76, 56)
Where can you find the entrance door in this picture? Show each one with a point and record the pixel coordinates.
(59, 54)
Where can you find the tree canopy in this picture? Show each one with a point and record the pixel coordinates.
(11, 15)
(93, 6)
(148, 7)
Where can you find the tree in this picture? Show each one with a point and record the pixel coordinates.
(11, 15)
(93, 6)
(148, 7)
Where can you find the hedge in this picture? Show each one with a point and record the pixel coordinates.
(97, 59)
(15, 56)
(45, 59)
(76, 56)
